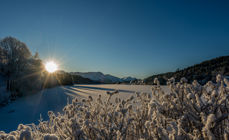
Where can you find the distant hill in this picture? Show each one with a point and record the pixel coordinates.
(81, 80)
(103, 78)
(202, 72)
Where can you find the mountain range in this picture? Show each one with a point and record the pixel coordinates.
(202, 72)
(103, 78)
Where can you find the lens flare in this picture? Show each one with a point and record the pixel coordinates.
(51, 66)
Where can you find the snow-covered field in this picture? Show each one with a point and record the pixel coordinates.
(187, 111)
(27, 110)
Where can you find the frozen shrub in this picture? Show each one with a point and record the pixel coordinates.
(188, 111)
(50, 137)
(25, 135)
(183, 80)
(11, 137)
(156, 81)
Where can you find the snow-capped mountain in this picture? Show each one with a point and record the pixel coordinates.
(127, 79)
(105, 78)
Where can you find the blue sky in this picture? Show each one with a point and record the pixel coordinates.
(120, 37)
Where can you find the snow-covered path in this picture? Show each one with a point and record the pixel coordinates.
(27, 110)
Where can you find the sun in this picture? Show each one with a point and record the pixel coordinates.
(51, 66)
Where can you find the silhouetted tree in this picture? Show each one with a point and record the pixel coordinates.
(15, 54)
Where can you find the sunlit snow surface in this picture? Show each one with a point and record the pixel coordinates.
(27, 110)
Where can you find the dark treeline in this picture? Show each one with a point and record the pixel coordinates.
(21, 70)
(64, 78)
(203, 72)
(25, 74)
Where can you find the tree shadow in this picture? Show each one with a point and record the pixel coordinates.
(76, 92)
(100, 88)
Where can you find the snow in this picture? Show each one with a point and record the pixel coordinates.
(27, 110)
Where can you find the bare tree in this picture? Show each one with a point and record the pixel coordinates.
(15, 54)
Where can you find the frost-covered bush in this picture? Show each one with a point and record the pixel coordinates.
(189, 111)
(192, 111)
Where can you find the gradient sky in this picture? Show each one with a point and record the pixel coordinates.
(120, 37)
